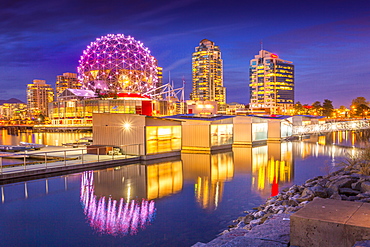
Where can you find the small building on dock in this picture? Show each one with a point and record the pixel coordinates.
(249, 130)
(205, 133)
(135, 134)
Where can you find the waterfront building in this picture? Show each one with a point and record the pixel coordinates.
(76, 107)
(39, 95)
(249, 130)
(201, 108)
(67, 80)
(207, 71)
(138, 134)
(205, 134)
(15, 112)
(235, 108)
(116, 63)
(271, 84)
(118, 75)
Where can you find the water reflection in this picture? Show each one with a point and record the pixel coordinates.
(108, 216)
(342, 138)
(274, 168)
(54, 139)
(209, 173)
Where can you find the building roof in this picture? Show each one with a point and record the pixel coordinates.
(272, 116)
(78, 93)
(197, 117)
(310, 116)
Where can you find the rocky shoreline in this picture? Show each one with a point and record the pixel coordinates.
(348, 184)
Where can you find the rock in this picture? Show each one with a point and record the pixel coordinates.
(305, 198)
(307, 195)
(336, 196)
(241, 218)
(365, 200)
(248, 219)
(344, 197)
(355, 175)
(307, 192)
(259, 214)
(285, 203)
(365, 186)
(356, 185)
(292, 202)
(342, 182)
(348, 191)
(353, 198)
(255, 222)
(319, 191)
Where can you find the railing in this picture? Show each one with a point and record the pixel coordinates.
(329, 127)
(35, 160)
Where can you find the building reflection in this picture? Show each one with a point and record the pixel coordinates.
(164, 179)
(119, 201)
(342, 138)
(271, 165)
(114, 217)
(209, 173)
(54, 139)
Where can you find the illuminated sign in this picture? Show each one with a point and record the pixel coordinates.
(274, 56)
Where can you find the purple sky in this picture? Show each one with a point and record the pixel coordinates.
(328, 41)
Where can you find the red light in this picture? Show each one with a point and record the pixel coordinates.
(274, 56)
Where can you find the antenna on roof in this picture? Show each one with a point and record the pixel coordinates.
(261, 43)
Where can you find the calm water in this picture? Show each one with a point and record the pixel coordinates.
(173, 203)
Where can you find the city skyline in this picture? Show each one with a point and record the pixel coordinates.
(326, 41)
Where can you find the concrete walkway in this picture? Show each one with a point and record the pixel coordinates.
(274, 232)
(323, 222)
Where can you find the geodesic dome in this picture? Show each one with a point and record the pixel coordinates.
(116, 63)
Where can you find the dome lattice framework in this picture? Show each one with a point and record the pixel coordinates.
(116, 63)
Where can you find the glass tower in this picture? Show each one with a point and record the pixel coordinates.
(39, 95)
(208, 75)
(271, 84)
(67, 80)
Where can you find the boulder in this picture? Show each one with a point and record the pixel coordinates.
(248, 219)
(348, 191)
(336, 196)
(356, 185)
(341, 182)
(365, 186)
(319, 191)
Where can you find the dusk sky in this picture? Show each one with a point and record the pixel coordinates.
(328, 41)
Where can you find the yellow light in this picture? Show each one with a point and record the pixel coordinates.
(127, 126)
(164, 131)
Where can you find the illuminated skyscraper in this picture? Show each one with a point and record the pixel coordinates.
(67, 80)
(39, 95)
(208, 75)
(271, 84)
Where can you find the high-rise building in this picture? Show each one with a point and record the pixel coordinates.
(208, 75)
(271, 84)
(67, 80)
(39, 95)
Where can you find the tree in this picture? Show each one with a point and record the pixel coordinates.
(298, 108)
(327, 108)
(362, 110)
(317, 108)
(359, 101)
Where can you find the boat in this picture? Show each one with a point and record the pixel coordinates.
(32, 146)
(12, 148)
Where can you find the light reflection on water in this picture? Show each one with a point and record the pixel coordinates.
(195, 197)
(52, 139)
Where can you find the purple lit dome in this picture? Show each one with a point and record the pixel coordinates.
(116, 63)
